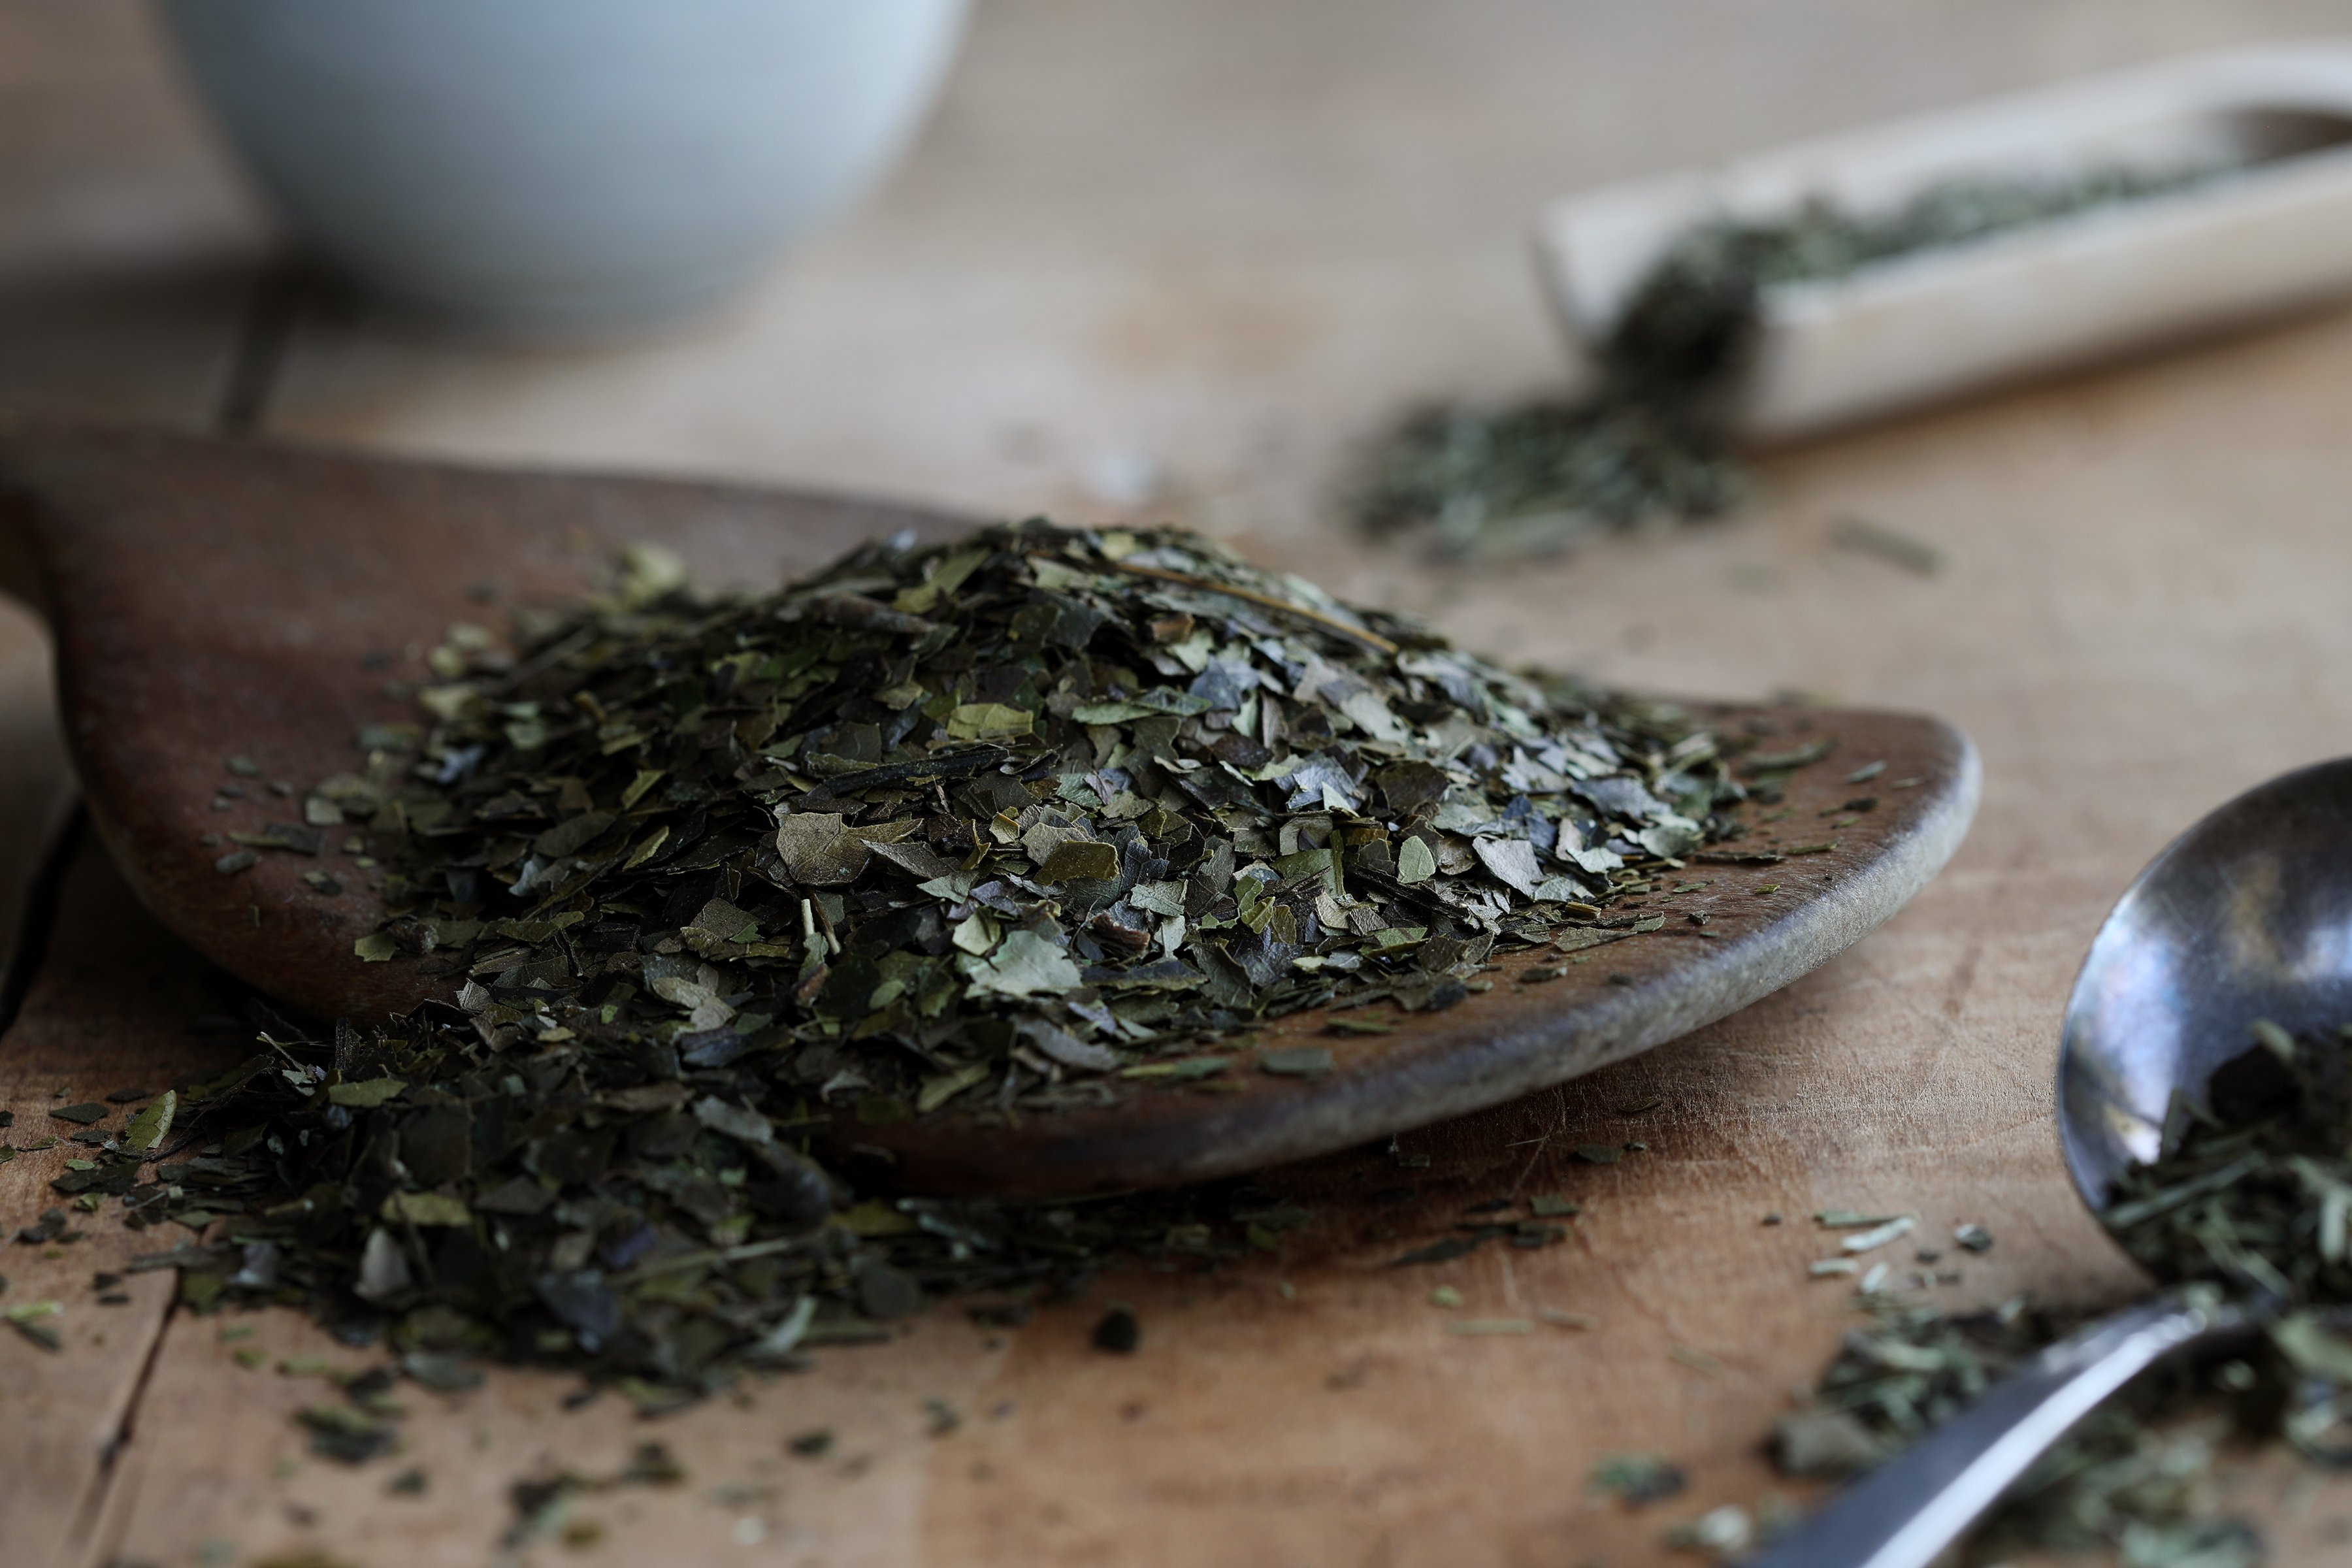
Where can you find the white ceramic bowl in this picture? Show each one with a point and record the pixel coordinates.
(564, 166)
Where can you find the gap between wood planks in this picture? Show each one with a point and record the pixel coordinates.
(273, 308)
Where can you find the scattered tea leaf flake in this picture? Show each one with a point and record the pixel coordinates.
(1637, 1479)
(1025, 964)
(1450, 1247)
(1863, 537)
(1298, 1061)
(1415, 864)
(426, 1209)
(148, 1127)
(367, 1094)
(1699, 1362)
(818, 848)
(1879, 1235)
(31, 1319)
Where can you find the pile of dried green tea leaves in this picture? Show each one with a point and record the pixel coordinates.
(2250, 1193)
(604, 1206)
(1651, 438)
(1021, 820)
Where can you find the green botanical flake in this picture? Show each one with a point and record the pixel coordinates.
(370, 1094)
(1026, 965)
(30, 1319)
(1487, 1328)
(1080, 859)
(1864, 537)
(1878, 1235)
(1637, 1479)
(988, 721)
(148, 1128)
(424, 1209)
(1178, 1071)
(1298, 1061)
(1443, 1251)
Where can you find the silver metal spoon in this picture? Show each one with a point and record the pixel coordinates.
(2247, 915)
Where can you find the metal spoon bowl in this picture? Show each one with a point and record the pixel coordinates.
(2247, 915)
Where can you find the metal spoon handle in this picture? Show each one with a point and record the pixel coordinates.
(1907, 1511)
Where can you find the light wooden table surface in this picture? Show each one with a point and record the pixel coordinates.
(1174, 261)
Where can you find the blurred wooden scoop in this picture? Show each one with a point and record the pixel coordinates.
(2271, 235)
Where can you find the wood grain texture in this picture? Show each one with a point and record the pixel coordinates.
(1227, 241)
(111, 1010)
(126, 258)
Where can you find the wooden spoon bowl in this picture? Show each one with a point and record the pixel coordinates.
(228, 616)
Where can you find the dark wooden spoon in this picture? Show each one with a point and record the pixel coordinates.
(215, 600)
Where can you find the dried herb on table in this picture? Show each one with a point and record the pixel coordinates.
(1638, 1479)
(2136, 1477)
(2253, 1189)
(1034, 816)
(2250, 1192)
(1000, 824)
(1651, 438)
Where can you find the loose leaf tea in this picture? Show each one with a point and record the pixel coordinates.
(606, 1206)
(1651, 438)
(1032, 818)
(2253, 1192)
(2253, 1189)
(997, 825)
(2249, 1194)
(2136, 1477)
